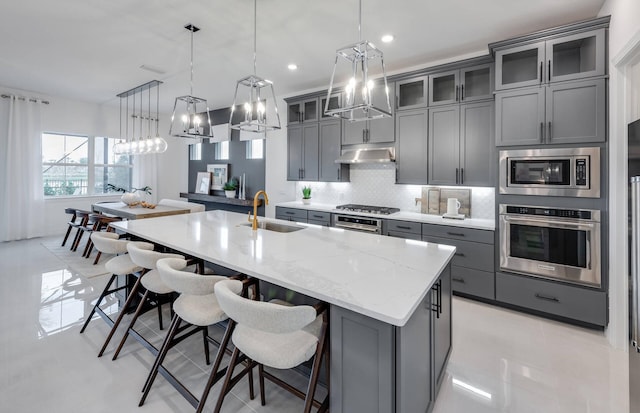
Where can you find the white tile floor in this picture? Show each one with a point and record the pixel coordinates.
(502, 361)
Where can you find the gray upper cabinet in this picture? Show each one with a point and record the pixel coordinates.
(330, 134)
(371, 131)
(411, 147)
(520, 117)
(569, 57)
(302, 148)
(461, 86)
(334, 102)
(303, 111)
(461, 148)
(412, 93)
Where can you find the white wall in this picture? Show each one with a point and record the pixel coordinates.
(74, 117)
(623, 28)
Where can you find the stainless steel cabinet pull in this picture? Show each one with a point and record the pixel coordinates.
(547, 298)
(540, 72)
(363, 139)
(462, 175)
(549, 72)
(541, 131)
(549, 133)
(457, 175)
(403, 227)
(456, 234)
(289, 212)
(338, 174)
(457, 88)
(458, 280)
(461, 93)
(317, 216)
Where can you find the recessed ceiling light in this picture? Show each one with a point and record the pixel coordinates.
(387, 38)
(292, 66)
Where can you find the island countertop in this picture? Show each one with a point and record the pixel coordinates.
(384, 278)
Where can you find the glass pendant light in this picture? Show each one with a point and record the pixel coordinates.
(249, 93)
(353, 64)
(190, 118)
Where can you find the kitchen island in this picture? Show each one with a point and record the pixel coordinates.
(390, 298)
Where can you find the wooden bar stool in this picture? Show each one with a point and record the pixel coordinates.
(73, 223)
(276, 335)
(102, 224)
(81, 220)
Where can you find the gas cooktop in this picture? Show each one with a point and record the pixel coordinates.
(369, 209)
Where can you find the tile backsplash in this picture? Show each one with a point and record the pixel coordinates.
(374, 184)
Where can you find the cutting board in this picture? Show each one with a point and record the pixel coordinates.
(430, 201)
(463, 196)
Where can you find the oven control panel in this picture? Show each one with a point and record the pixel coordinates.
(549, 212)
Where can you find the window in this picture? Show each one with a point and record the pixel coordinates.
(195, 152)
(255, 149)
(222, 150)
(82, 165)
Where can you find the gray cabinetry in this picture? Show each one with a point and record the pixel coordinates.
(371, 131)
(330, 135)
(568, 112)
(304, 215)
(302, 151)
(520, 66)
(463, 85)
(411, 147)
(412, 93)
(334, 103)
(319, 218)
(303, 111)
(381, 368)
(403, 229)
(461, 144)
(586, 305)
(472, 267)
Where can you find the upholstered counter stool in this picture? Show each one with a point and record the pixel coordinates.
(101, 224)
(120, 265)
(276, 335)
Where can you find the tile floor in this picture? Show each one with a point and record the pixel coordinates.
(502, 361)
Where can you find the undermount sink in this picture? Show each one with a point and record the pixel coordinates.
(272, 226)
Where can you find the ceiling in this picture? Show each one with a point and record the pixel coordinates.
(91, 50)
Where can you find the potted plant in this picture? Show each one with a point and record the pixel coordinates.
(306, 195)
(230, 188)
(129, 197)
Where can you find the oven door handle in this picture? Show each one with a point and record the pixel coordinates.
(548, 222)
(356, 227)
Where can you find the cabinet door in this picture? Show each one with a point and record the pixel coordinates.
(520, 117)
(353, 132)
(444, 145)
(294, 153)
(442, 326)
(311, 154)
(577, 56)
(477, 151)
(576, 112)
(334, 103)
(330, 134)
(411, 147)
(520, 66)
(382, 130)
(412, 93)
(303, 111)
(476, 83)
(294, 113)
(444, 88)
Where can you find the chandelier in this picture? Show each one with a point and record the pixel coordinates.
(140, 145)
(353, 63)
(190, 118)
(249, 93)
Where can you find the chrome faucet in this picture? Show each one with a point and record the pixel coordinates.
(254, 221)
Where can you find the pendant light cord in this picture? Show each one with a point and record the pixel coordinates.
(157, 109)
(191, 83)
(255, 18)
(360, 21)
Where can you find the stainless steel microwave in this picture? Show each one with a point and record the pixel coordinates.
(551, 172)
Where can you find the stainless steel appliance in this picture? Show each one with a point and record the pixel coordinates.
(562, 244)
(356, 223)
(369, 209)
(573, 172)
(634, 264)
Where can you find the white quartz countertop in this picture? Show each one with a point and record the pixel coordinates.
(384, 278)
(487, 224)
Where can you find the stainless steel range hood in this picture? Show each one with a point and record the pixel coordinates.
(368, 155)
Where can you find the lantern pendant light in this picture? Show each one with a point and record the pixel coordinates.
(190, 118)
(249, 93)
(353, 64)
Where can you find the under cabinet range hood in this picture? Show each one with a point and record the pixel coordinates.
(367, 155)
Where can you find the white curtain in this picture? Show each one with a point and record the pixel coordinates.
(21, 193)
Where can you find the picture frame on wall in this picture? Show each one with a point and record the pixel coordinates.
(203, 183)
(219, 174)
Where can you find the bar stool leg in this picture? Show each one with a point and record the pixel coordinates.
(315, 370)
(127, 304)
(102, 295)
(131, 323)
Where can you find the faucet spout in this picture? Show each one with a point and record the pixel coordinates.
(254, 222)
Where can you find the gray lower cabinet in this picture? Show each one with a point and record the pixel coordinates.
(319, 218)
(461, 149)
(567, 112)
(472, 267)
(403, 229)
(330, 137)
(411, 147)
(302, 151)
(582, 304)
(303, 215)
(380, 368)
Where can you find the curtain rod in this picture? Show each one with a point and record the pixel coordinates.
(46, 102)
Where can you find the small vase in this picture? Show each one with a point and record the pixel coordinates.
(230, 194)
(306, 201)
(130, 198)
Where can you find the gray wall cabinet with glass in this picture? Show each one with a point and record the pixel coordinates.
(412, 93)
(458, 86)
(303, 111)
(461, 145)
(302, 148)
(568, 112)
(375, 130)
(569, 57)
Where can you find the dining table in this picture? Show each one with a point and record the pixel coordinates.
(124, 211)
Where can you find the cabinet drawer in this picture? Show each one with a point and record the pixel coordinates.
(321, 223)
(564, 300)
(404, 226)
(467, 234)
(300, 215)
(319, 216)
(405, 235)
(468, 254)
(473, 282)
